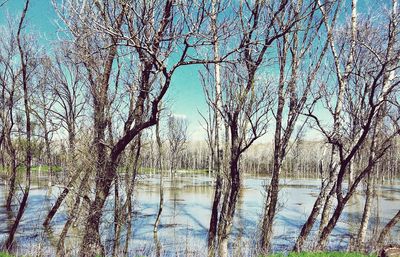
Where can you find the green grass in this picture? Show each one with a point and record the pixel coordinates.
(3, 254)
(43, 168)
(198, 171)
(321, 254)
(145, 170)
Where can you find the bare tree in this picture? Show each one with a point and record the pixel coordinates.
(24, 58)
(215, 133)
(10, 96)
(300, 55)
(43, 104)
(368, 93)
(70, 101)
(160, 166)
(177, 137)
(99, 31)
(245, 105)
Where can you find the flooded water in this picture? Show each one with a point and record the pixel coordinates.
(186, 214)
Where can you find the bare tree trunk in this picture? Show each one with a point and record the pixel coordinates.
(157, 244)
(231, 194)
(212, 232)
(8, 144)
(160, 166)
(117, 216)
(328, 201)
(318, 204)
(28, 157)
(13, 177)
(389, 226)
(367, 212)
(131, 188)
(273, 189)
(72, 171)
(72, 216)
(48, 153)
(61, 198)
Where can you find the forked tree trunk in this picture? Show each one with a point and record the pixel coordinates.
(91, 242)
(231, 195)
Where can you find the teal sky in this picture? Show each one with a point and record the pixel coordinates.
(185, 96)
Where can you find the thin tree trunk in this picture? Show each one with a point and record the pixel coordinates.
(366, 213)
(48, 155)
(72, 216)
(13, 177)
(28, 157)
(60, 199)
(8, 145)
(131, 188)
(273, 189)
(160, 166)
(328, 201)
(319, 202)
(117, 216)
(212, 232)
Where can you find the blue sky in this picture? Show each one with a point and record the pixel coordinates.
(185, 96)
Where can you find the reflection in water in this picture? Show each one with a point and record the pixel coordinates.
(186, 214)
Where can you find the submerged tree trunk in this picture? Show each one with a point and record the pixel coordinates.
(91, 242)
(72, 171)
(72, 216)
(326, 187)
(328, 201)
(366, 212)
(131, 188)
(60, 199)
(231, 195)
(389, 226)
(160, 166)
(212, 232)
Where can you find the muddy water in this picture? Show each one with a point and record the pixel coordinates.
(186, 214)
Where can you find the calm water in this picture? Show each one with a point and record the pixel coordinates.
(186, 214)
